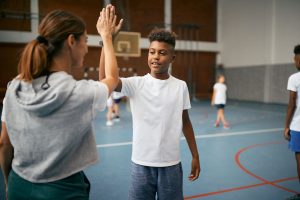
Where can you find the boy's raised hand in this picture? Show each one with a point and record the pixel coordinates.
(117, 28)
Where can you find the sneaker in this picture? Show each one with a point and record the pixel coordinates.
(117, 118)
(109, 123)
(217, 124)
(295, 197)
(226, 126)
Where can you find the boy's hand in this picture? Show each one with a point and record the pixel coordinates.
(117, 28)
(195, 171)
(287, 134)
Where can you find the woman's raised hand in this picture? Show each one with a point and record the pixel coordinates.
(106, 23)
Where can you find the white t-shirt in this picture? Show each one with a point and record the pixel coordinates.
(220, 93)
(294, 85)
(117, 95)
(157, 107)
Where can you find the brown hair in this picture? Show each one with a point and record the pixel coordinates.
(53, 31)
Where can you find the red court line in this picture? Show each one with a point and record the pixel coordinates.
(238, 188)
(237, 160)
(264, 181)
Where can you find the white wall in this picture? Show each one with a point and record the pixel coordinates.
(258, 32)
(287, 29)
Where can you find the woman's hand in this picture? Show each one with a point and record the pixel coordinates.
(106, 24)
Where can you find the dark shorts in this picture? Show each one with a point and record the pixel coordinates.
(74, 187)
(117, 100)
(220, 106)
(294, 143)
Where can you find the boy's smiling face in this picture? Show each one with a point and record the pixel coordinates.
(160, 56)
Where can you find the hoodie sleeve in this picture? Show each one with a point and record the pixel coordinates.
(100, 96)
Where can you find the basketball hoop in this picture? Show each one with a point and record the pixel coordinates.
(127, 44)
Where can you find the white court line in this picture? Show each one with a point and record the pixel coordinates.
(202, 136)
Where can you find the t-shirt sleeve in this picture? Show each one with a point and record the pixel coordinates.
(100, 96)
(291, 84)
(129, 86)
(3, 112)
(186, 98)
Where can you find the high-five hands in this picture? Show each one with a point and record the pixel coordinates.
(106, 24)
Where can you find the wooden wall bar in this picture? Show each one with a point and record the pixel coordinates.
(192, 20)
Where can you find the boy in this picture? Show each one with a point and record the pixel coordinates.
(292, 122)
(159, 104)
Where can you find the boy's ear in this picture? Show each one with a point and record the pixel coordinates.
(173, 57)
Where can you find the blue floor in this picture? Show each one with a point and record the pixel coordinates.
(248, 161)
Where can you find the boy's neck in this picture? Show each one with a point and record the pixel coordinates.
(163, 76)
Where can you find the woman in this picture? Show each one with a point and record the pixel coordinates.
(47, 137)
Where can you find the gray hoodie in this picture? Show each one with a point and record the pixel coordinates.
(51, 130)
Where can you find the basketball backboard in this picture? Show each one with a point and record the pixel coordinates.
(127, 44)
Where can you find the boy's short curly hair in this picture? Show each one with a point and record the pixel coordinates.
(163, 35)
(297, 49)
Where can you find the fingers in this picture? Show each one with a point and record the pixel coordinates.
(287, 137)
(195, 171)
(118, 27)
(114, 20)
(107, 12)
(194, 174)
(112, 11)
(286, 134)
(106, 23)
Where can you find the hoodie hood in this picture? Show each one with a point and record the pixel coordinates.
(35, 98)
(51, 128)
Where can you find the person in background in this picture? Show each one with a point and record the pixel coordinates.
(113, 108)
(292, 121)
(47, 137)
(219, 100)
(110, 111)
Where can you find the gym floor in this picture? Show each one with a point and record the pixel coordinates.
(251, 160)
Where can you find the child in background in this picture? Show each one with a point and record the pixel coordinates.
(117, 98)
(292, 122)
(113, 108)
(110, 111)
(219, 100)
